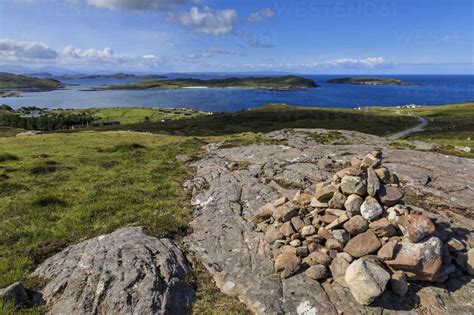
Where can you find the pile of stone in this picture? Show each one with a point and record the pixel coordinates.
(355, 229)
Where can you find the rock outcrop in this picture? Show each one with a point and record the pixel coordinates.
(237, 253)
(125, 272)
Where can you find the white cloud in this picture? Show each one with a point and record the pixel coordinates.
(260, 15)
(137, 4)
(208, 21)
(91, 54)
(12, 50)
(151, 58)
(371, 62)
(195, 56)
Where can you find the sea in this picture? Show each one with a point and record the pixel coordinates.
(432, 90)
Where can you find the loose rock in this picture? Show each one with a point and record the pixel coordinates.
(286, 259)
(398, 283)
(383, 228)
(370, 208)
(338, 269)
(420, 261)
(337, 201)
(284, 213)
(373, 184)
(415, 226)
(356, 225)
(317, 272)
(366, 280)
(363, 244)
(353, 203)
(390, 195)
(353, 185)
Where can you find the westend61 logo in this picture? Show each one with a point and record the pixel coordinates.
(336, 8)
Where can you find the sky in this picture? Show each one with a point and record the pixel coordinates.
(299, 36)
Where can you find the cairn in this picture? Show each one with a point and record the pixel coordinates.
(355, 229)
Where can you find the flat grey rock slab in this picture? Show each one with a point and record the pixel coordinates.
(125, 272)
(225, 199)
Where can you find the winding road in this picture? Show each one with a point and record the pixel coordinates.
(422, 124)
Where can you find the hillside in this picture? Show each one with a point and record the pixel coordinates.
(369, 81)
(10, 81)
(119, 75)
(280, 83)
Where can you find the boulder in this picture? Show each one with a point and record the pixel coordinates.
(373, 184)
(297, 223)
(308, 230)
(415, 226)
(455, 245)
(356, 225)
(369, 161)
(284, 213)
(353, 203)
(399, 283)
(337, 201)
(324, 191)
(420, 261)
(363, 244)
(264, 213)
(272, 234)
(286, 258)
(15, 294)
(333, 244)
(366, 280)
(287, 229)
(125, 272)
(327, 218)
(342, 236)
(353, 185)
(291, 268)
(316, 258)
(388, 250)
(338, 269)
(390, 195)
(383, 228)
(470, 262)
(338, 222)
(318, 272)
(370, 208)
(383, 174)
(324, 233)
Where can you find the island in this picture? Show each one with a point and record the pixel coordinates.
(119, 76)
(282, 83)
(369, 81)
(11, 84)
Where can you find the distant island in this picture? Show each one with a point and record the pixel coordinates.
(282, 83)
(119, 75)
(369, 81)
(11, 84)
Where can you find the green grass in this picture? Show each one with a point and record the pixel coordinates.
(133, 115)
(59, 189)
(281, 82)
(10, 81)
(276, 117)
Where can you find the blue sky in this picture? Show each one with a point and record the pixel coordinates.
(305, 36)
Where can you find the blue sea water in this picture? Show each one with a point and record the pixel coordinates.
(433, 90)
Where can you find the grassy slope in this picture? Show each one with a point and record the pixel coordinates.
(9, 81)
(369, 81)
(249, 82)
(448, 126)
(275, 117)
(58, 189)
(133, 115)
